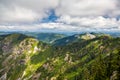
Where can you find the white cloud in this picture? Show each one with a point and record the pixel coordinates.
(22, 11)
(18, 14)
(75, 15)
(85, 8)
(90, 22)
(72, 24)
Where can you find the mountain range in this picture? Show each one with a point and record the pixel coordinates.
(86, 56)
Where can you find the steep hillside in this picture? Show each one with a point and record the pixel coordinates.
(25, 58)
(16, 61)
(95, 59)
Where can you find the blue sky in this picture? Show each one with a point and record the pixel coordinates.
(51, 17)
(60, 15)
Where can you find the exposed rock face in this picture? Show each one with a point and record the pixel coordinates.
(46, 66)
(88, 36)
(36, 76)
(66, 57)
(6, 48)
(53, 78)
(91, 36)
(4, 77)
(114, 76)
(35, 49)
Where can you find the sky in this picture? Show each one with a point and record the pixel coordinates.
(60, 15)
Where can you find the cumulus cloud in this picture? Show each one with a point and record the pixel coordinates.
(18, 15)
(90, 22)
(21, 11)
(83, 8)
(73, 15)
(71, 24)
(41, 26)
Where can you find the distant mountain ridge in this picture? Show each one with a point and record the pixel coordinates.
(45, 37)
(76, 37)
(53, 37)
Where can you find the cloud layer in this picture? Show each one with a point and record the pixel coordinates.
(83, 8)
(73, 15)
(23, 11)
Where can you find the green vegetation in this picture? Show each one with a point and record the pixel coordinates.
(88, 57)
